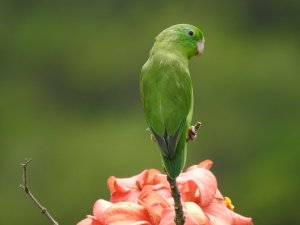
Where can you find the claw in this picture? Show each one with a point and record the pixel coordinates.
(152, 138)
(151, 135)
(192, 133)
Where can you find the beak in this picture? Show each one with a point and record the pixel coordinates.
(200, 47)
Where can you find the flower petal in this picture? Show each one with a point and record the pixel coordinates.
(153, 177)
(121, 184)
(194, 214)
(189, 191)
(129, 196)
(205, 182)
(153, 202)
(89, 221)
(157, 180)
(123, 190)
(100, 208)
(167, 217)
(241, 220)
(218, 214)
(128, 189)
(206, 164)
(126, 213)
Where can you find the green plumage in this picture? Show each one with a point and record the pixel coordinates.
(167, 94)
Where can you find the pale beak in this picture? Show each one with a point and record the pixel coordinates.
(200, 47)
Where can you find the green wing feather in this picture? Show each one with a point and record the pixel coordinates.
(166, 92)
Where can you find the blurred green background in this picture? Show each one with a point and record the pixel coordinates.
(69, 99)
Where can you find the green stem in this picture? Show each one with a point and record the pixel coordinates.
(179, 217)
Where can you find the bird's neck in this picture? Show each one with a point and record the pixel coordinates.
(169, 53)
(170, 47)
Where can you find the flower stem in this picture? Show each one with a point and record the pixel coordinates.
(179, 217)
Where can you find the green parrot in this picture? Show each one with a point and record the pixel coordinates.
(167, 93)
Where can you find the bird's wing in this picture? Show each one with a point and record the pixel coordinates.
(166, 92)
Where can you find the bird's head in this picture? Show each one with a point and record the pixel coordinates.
(184, 39)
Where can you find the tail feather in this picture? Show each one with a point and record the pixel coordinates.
(175, 165)
(167, 143)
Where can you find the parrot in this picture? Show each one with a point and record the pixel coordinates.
(167, 94)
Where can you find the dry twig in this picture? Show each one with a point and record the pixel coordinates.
(25, 187)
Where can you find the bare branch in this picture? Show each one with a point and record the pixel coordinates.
(25, 188)
(179, 217)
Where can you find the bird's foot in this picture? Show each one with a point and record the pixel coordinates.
(192, 133)
(151, 135)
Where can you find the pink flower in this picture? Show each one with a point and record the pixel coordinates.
(129, 189)
(146, 199)
(116, 214)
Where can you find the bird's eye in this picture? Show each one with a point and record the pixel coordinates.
(191, 33)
